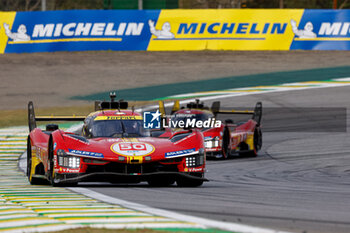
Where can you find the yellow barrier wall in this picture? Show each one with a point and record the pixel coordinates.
(6, 21)
(225, 29)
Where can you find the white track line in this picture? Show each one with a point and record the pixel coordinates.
(180, 217)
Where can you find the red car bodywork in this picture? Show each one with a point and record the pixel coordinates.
(63, 157)
(244, 138)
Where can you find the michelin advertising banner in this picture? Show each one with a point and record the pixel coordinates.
(174, 30)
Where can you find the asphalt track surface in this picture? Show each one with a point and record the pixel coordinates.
(300, 181)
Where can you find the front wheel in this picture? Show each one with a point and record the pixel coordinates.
(50, 163)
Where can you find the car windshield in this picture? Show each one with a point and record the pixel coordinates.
(118, 128)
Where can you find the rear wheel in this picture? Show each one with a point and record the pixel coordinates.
(225, 145)
(259, 139)
(257, 143)
(30, 172)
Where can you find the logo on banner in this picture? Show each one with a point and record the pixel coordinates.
(326, 30)
(218, 28)
(74, 32)
(20, 35)
(306, 33)
(165, 33)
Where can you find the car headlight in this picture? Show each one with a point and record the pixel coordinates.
(190, 161)
(73, 162)
(208, 144)
(212, 143)
(65, 160)
(195, 160)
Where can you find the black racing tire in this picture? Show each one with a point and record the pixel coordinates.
(257, 143)
(225, 145)
(189, 182)
(50, 162)
(32, 180)
(259, 139)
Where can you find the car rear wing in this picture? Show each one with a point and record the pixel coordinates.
(176, 107)
(256, 113)
(112, 104)
(105, 105)
(162, 109)
(32, 119)
(215, 109)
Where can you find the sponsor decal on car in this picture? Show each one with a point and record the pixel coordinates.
(132, 148)
(66, 170)
(86, 153)
(113, 118)
(179, 153)
(113, 140)
(200, 169)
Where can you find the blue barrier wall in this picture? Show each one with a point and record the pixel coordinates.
(331, 30)
(81, 30)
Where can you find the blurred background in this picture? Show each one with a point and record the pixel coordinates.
(34, 5)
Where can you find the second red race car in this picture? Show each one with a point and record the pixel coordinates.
(229, 138)
(112, 146)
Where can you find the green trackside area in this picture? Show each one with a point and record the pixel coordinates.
(161, 91)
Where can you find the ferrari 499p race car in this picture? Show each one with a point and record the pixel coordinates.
(112, 146)
(243, 138)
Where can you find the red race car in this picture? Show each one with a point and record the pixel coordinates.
(221, 140)
(112, 146)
